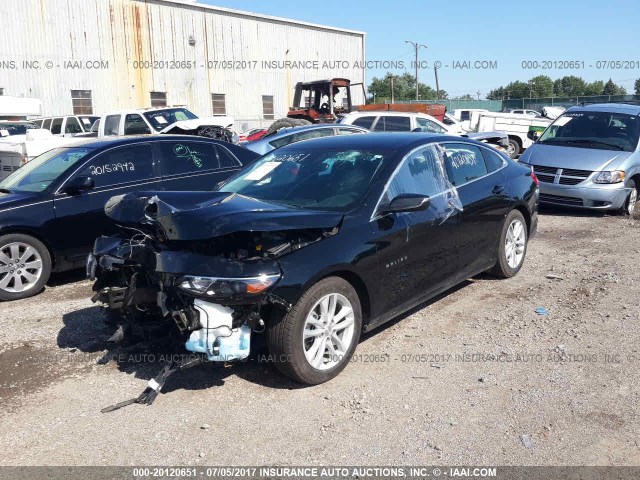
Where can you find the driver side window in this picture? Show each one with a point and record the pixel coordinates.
(421, 172)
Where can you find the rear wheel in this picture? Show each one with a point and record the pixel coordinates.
(282, 123)
(25, 266)
(513, 149)
(512, 247)
(314, 341)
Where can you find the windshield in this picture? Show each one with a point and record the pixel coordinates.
(160, 119)
(609, 131)
(334, 180)
(37, 175)
(16, 128)
(87, 121)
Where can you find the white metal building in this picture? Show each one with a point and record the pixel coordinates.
(92, 56)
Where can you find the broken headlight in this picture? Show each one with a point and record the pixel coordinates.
(215, 287)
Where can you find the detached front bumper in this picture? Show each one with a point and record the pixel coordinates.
(591, 195)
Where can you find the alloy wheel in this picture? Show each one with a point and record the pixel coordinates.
(514, 243)
(20, 267)
(633, 198)
(328, 331)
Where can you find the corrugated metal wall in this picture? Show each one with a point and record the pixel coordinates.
(123, 32)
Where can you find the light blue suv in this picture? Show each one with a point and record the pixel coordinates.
(589, 158)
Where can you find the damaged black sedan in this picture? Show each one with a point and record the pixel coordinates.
(313, 244)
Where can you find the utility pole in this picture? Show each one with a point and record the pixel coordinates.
(392, 95)
(435, 71)
(478, 92)
(416, 48)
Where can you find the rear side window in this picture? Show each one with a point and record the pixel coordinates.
(47, 124)
(111, 124)
(464, 163)
(72, 126)
(134, 125)
(225, 158)
(364, 122)
(465, 115)
(132, 163)
(187, 157)
(492, 159)
(56, 126)
(281, 142)
(38, 123)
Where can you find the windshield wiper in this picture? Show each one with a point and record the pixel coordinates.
(596, 142)
(5, 190)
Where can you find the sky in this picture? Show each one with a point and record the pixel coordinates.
(586, 32)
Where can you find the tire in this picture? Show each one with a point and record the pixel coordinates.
(285, 334)
(281, 123)
(513, 150)
(18, 280)
(506, 266)
(302, 122)
(632, 198)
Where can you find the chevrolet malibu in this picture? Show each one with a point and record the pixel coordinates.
(313, 244)
(589, 158)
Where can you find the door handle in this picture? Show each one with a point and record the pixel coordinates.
(498, 189)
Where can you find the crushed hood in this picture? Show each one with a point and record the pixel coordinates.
(221, 121)
(202, 215)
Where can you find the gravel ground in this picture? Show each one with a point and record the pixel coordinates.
(473, 377)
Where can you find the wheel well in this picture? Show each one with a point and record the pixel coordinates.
(19, 231)
(361, 289)
(516, 139)
(636, 180)
(527, 217)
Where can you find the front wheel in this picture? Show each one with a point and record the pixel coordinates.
(512, 247)
(630, 205)
(25, 266)
(315, 340)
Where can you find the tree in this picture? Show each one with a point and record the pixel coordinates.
(611, 88)
(637, 86)
(594, 88)
(404, 88)
(541, 86)
(569, 86)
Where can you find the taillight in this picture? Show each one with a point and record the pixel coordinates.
(534, 178)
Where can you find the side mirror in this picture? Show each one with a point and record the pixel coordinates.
(79, 184)
(4, 133)
(533, 135)
(408, 202)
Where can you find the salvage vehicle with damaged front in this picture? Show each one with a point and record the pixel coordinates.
(313, 244)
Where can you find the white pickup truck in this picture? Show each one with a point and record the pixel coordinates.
(515, 125)
(154, 121)
(16, 150)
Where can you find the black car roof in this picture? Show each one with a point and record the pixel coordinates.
(132, 139)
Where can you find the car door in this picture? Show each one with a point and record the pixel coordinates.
(80, 217)
(416, 250)
(190, 165)
(476, 172)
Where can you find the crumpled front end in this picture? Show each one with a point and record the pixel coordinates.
(192, 272)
